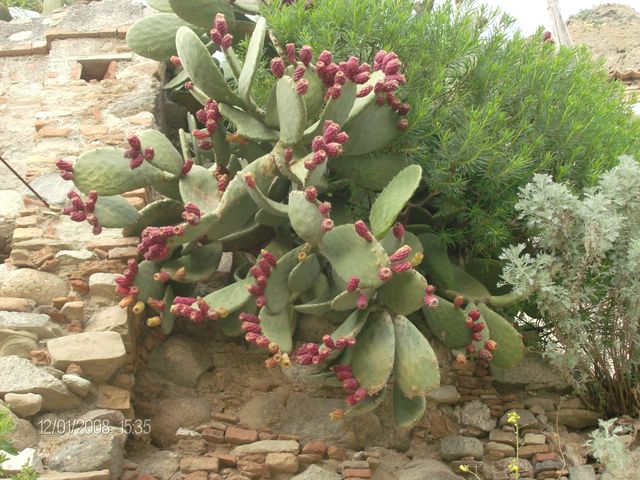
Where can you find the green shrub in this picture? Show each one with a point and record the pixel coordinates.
(489, 111)
(582, 265)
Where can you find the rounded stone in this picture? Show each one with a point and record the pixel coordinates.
(173, 413)
(42, 287)
(24, 404)
(455, 448)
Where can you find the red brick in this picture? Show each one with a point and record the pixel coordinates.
(51, 132)
(356, 473)
(194, 464)
(226, 460)
(530, 450)
(240, 436)
(267, 436)
(308, 458)
(223, 417)
(543, 457)
(315, 447)
(213, 435)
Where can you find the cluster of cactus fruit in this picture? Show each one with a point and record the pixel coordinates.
(258, 180)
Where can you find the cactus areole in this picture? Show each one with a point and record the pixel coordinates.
(259, 179)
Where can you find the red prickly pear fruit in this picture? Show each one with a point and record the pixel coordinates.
(302, 86)
(325, 57)
(474, 315)
(469, 323)
(362, 302)
(306, 54)
(317, 143)
(403, 124)
(398, 231)
(134, 142)
(162, 277)
(298, 73)
(261, 301)
(324, 208)
(288, 155)
(327, 225)
(277, 67)
(485, 354)
(491, 345)
(385, 274)
(175, 60)
(350, 384)
(227, 41)
(311, 194)
(328, 342)
(360, 394)
(363, 230)
(477, 336)
(477, 327)
(352, 284)
(249, 180)
(400, 254)
(430, 300)
(291, 52)
(188, 85)
(458, 301)
(470, 348)
(363, 92)
(401, 267)
(269, 257)
(186, 168)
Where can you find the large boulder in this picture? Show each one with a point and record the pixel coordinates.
(40, 286)
(113, 319)
(99, 354)
(87, 453)
(181, 360)
(19, 375)
(173, 413)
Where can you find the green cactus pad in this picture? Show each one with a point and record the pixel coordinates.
(407, 412)
(116, 212)
(149, 288)
(106, 171)
(305, 218)
(416, 368)
(276, 209)
(369, 404)
(436, 262)
(277, 292)
(314, 308)
(404, 293)
(265, 218)
(371, 130)
(178, 81)
(168, 318)
(157, 214)
(390, 243)
(248, 237)
(448, 324)
(277, 327)
(306, 178)
(254, 49)
(169, 188)
(202, 12)
(247, 126)
(160, 5)
(231, 326)
(155, 36)
(248, 6)
(166, 157)
(304, 275)
(393, 199)
(201, 68)
(314, 98)
(336, 110)
(362, 103)
(199, 265)
(292, 112)
(467, 286)
(200, 187)
(506, 300)
(232, 297)
(373, 353)
(351, 255)
(325, 379)
(510, 347)
(371, 171)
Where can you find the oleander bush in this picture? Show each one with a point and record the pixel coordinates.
(582, 268)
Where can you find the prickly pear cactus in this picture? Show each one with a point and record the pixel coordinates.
(257, 180)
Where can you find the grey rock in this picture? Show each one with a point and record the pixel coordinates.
(15, 463)
(267, 446)
(101, 415)
(52, 187)
(577, 417)
(19, 375)
(315, 472)
(102, 287)
(90, 453)
(10, 205)
(447, 394)
(533, 371)
(40, 286)
(36, 323)
(16, 343)
(525, 467)
(173, 413)
(582, 472)
(527, 419)
(113, 319)
(24, 404)
(547, 465)
(181, 360)
(455, 448)
(73, 257)
(100, 354)
(161, 465)
(78, 385)
(23, 435)
(99, 475)
(427, 469)
(545, 403)
(477, 414)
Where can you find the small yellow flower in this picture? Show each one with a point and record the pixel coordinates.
(513, 417)
(514, 467)
(464, 468)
